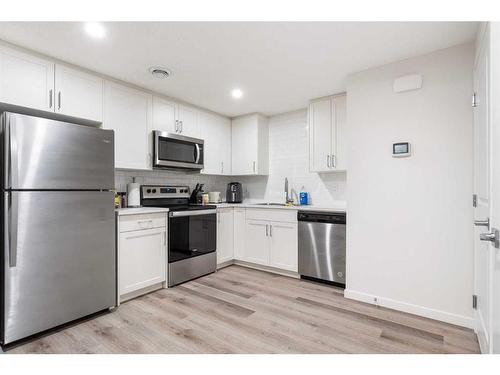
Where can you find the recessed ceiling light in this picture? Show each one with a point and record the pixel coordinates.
(236, 93)
(159, 72)
(95, 29)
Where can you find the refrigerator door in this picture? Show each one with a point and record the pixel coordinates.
(60, 259)
(48, 154)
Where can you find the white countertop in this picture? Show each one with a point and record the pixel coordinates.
(339, 206)
(139, 210)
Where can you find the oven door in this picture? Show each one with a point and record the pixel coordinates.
(191, 233)
(177, 151)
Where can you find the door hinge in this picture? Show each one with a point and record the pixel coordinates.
(474, 103)
(474, 301)
(474, 200)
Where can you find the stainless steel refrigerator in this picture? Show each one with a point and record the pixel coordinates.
(58, 237)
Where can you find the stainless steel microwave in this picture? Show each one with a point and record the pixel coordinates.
(177, 151)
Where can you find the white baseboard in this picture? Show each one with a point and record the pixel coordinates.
(460, 320)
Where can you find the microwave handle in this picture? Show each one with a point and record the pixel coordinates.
(198, 153)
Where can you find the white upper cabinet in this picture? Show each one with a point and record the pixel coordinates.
(216, 132)
(327, 121)
(78, 94)
(250, 145)
(128, 112)
(187, 118)
(175, 118)
(164, 115)
(26, 80)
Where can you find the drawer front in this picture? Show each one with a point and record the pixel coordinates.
(142, 221)
(288, 216)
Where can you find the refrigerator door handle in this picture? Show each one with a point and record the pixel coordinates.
(13, 167)
(11, 207)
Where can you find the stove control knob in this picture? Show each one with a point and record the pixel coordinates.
(154, 191)
(148, 191)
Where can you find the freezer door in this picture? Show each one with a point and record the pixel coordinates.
(59, 261)
(48, 154)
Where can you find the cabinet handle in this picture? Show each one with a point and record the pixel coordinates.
(176, 126)
(254, 167)
(50, 98)
(221, 167)
(328, 161)
(59, 100)
(182, 126)
(146, 222)
(267, 230)
(334, 162)
(270, 230)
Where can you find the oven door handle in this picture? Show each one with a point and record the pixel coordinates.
(192, 213)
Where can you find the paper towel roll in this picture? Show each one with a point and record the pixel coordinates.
(133, 193)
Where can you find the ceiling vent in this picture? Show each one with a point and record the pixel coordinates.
(159, 72)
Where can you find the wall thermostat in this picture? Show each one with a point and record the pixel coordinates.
(401, 150)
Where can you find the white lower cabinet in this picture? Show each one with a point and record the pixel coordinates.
(284, 246)
(142, 259)
(257, 242)
(239, 233)
(225, 235)
(271, 243)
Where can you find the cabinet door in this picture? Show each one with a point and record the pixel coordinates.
(257, 242)
(164, 115)
(78, 94)
(340, 123)
(320, 135)
(225, 235)
(128, 112)
(244, 134)
(26, 80)
(142, 259)
(188, 121)
(239, 233)
(284, 246)
(216, 132)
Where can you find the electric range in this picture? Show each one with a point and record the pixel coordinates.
(192, 232)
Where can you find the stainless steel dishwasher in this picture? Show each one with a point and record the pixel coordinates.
(322, 246)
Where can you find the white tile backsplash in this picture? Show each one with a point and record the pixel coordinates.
(289, 157)
(164, 177)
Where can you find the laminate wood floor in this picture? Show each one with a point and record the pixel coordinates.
(241, 310)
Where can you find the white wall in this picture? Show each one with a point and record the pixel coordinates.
(289, 157)
(409, 231)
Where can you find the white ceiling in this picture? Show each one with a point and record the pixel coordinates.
(279, 65)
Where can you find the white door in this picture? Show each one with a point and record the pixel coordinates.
(128, 112)
(78, 94)
(26, 80)
(284, 246)
(239, 233)
(483, 251)
(225, 235)
(141, 259)
(257, 242)
(244, 134)
(320, 135)
(495, 177)
(164, 115)
(188, 121)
